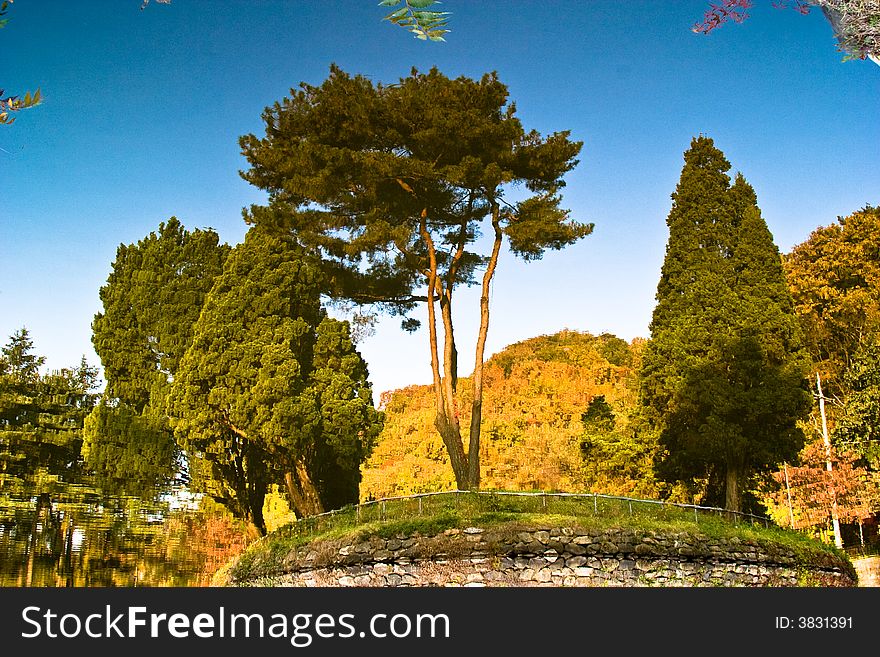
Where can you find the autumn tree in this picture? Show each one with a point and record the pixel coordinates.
(722, 378)
(834, 278)
(808, 494)
(394, 185)
(272, 390)
(535, 433)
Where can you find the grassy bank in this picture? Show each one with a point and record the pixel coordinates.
(432, 515)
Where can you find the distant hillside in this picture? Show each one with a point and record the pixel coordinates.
(535, 433)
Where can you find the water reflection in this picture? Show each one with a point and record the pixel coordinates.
(81, 538)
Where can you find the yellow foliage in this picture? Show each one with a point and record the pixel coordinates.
(534, 396)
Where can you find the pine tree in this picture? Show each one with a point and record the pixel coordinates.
(369, 176)
(271, 390)
(723, 376)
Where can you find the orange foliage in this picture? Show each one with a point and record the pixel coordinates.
(204, 542)
(814, 489)
(535, 393)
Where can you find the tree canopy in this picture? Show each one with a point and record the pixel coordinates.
(367, 177)
(271, 390)
(834, 277)
(723, 375)
(152, 298)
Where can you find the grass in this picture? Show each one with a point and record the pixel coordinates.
(432, 515)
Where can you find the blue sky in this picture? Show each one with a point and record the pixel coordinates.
(143, 110)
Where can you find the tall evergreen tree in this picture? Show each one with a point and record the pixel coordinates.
(271, 390)
(723, 375)
(152, 298)
(151, 301)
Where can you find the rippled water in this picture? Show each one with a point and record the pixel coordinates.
(112, 541)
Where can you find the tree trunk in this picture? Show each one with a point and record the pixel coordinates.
(473, 454)
(835, 516)
(445, 420)
(302, 492)
(253, 530)
(732, 501)
(452, 438)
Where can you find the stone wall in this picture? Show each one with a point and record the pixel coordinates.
(510, 556)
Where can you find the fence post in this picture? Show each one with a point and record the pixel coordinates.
(420, 506)
(695, 516)
(358, 514)
(630, 507)
(383, 509)
(544, 501)
(595, 505)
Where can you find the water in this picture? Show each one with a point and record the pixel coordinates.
(82, 538)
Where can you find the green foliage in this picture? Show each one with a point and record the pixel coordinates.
(414, 15)
(857, 427)
(351, 167)
(152, 298)
(41, 417)
(271, 390)
(129, 453)
(599, 415)
(722, 378)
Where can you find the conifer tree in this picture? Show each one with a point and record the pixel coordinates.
(271, 390)
(152, 298)
(723, 375)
